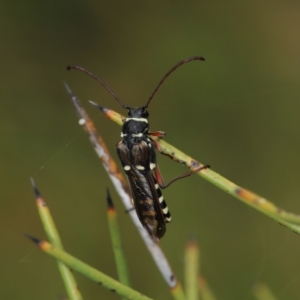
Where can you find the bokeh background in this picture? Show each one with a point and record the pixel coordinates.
(238, 111)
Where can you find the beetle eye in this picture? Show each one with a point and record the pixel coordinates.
(145, 113)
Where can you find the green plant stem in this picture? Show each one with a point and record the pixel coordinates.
(88, 271)
(205, 291)
(191, 266)
(122, 269)
(290, 220)
(52, 233)
(178, 293)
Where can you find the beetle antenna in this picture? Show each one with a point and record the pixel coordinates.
(100, 81)
(169, 73)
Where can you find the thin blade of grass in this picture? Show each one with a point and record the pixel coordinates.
(191, 269)
(288, 219)
(122, 268)
(177, 292)
(88, 271)
(205, 291)
(52, 233)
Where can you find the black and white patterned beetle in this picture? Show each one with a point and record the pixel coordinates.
(137, 155)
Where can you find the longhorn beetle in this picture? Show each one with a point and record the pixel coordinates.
(138, 158)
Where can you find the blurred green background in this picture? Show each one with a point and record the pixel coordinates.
(238, 111)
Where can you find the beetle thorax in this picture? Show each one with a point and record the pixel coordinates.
(136, 124)
(134, 128)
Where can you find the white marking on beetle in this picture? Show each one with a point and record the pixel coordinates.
(137, 119)
(168, 219)
(161, 199)
(123, 134)
(81, 121)
(137, 134)
(156, 186)
(139, 167)
(127, 168)
(165, 210)
(152, 166)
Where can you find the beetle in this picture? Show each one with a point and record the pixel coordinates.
(136, 151)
